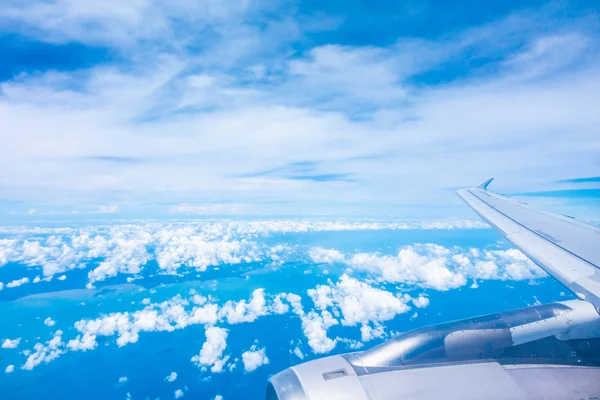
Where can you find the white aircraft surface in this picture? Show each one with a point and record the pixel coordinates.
(549, 351)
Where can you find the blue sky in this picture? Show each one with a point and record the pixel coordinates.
(170, 109)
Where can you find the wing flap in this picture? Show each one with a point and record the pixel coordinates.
(565, 248)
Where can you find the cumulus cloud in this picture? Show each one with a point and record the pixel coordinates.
(321, 255)
(172, 377)
(127, 249)
(438, 267)
(83, 342)
(17, 282)
(178, 393)
(358, 304)
(44, 353)
(254, 358)
(315, 327)
(11, 344)
(9, 369)
(177, 313)
(368, 333)
(357, 301)
(213, 348)
(49, 322)
(421, 301)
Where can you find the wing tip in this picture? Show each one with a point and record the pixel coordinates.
(484, 185)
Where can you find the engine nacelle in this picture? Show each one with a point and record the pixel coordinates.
(473, 359)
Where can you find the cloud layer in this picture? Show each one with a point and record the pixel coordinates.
(436, 267)
(107, 251)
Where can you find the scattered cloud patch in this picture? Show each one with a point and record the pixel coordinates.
(212, 350)
(172, 377)
(437, 267)
(17, 282)
(47, 352)
(49, 322)
(254, 358)
(11, 344)
(421, 301)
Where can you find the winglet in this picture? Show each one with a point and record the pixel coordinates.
(483, 185)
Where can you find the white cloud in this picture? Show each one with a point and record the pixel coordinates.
(62, 277)
(298, 353)
(421, 301)
(44, 353)
(418, 264)
(213, 348)
(218, 397)
(49, 322)
(358, 302)
(236, 312)
(315, 328)
(9, 369)
(11, 344)
(176, 313)
(321, 255)
(350, 343)
(17, 282)
(123, 379)
(441, 268)
(177, 248)
(178, 393)
(254, 358)
(83, 343)
(368, 333)
(217, 367)
(172, 377)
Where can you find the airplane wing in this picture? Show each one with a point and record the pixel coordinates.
(565, 248)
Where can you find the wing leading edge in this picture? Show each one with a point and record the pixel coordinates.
(565, 248)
